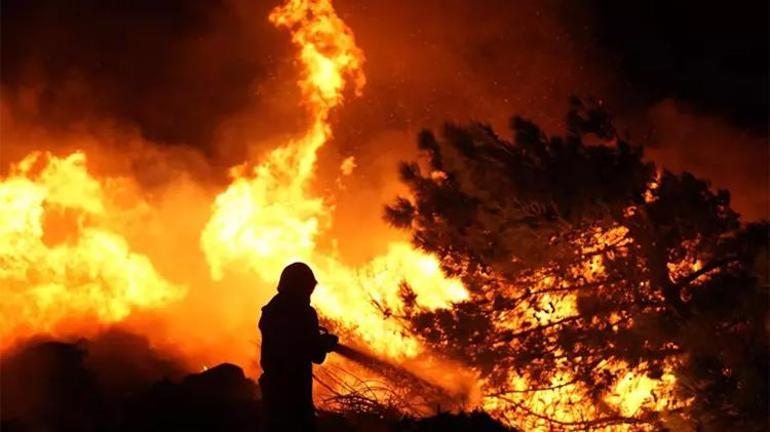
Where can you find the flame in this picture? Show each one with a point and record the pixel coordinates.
(563, 402)
(269, 215)
(635, 391)
(90, 271)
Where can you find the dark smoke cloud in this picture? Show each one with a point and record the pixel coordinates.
(696, 95)
(217, 76)
(174, 69)
(731, 159)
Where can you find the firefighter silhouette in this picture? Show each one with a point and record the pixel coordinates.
(291, 342)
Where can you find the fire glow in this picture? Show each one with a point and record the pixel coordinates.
(66, 263)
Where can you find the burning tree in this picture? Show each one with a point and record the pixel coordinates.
(605, 292)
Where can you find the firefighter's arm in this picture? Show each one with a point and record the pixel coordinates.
(317, 353)
(323, 341)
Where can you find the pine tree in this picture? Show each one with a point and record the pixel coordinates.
(584, 262)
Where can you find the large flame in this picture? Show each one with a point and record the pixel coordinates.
(58, 257)
(269, 216)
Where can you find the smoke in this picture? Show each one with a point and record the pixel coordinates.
(731, 158)
(214, 77)
(173, 71)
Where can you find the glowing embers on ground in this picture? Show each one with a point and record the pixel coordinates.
(59, 259)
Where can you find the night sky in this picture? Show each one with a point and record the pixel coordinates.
(706, 53)
(686, 78)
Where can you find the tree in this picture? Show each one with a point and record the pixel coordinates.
(591, 272)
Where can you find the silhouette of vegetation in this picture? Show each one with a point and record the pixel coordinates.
(584, 260)
(117, 382)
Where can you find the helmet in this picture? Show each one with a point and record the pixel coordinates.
(297, 278)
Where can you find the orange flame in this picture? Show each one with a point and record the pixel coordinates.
(88, 270)
(269, 217)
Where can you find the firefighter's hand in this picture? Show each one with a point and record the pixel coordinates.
(329, 342)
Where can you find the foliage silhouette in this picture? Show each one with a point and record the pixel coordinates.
(661, 274)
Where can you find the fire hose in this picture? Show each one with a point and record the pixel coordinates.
(394, 373)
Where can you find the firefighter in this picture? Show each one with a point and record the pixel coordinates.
(291, 342)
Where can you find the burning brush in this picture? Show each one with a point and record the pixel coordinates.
(402, 388)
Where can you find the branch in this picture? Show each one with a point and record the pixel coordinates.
(585, 424)
(532, 389)
(713, 265)
(579, 287)
(509, 337)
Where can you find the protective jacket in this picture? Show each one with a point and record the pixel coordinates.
(290, 344)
